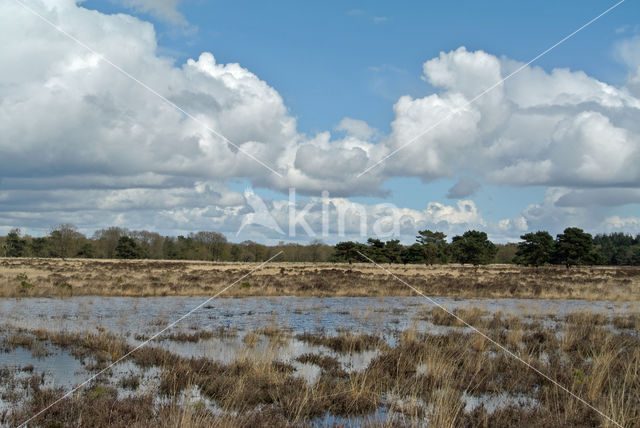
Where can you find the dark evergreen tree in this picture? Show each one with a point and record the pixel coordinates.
(473, 247)
(375, 249)
(348, 252)
(128, 248)
(393, 251)
(536, 249)
(413, 254)
(40, 247)
(574, 247)
(434, 246)
(615, 248)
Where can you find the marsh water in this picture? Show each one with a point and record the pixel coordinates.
(130, 316)
(139, 318)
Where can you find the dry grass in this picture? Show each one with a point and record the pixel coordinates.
(422, 377)
(344, 343)
(62, 278)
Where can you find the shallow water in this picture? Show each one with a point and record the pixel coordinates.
(58, 369)
(493, 402)
(61, 369)
(131, 316)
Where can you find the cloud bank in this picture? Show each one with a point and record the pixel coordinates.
(81, 142)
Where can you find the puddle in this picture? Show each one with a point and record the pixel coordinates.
(286, 350)
(61, 369)
(378, 418)
(493, 402)
(58, 369)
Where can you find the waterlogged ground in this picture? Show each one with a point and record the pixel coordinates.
(131, 316)
(391, 361)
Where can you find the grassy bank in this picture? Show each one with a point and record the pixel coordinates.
(76, 277)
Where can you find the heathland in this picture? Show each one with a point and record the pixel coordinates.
(317, 344)
(21, 277)
(385, 362)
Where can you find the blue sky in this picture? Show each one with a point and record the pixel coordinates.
(340, 59)
(336, 59)
(331, 59)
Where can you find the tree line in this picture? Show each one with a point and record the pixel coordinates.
(572, 247)
(65, 241)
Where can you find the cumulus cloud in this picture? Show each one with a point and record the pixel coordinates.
(76, 115)
(548, 215)
(357, 128)
(538, 128)
(558, 211)
(553, 128)
(510, 225)
(330, 163)
(616, 223)
(75, 134)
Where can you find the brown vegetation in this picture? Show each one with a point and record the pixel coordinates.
(63, 278)
(343, 343)
(423, 377)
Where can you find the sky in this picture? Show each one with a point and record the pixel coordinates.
(177, 116)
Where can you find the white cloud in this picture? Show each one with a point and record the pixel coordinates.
(508, 229)
(332, 162)
(63, 112)
(616, 223)
(465, 212)
(519, 224)
(563, 207)
(561, 128)
(357, 128)
(77, 135)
